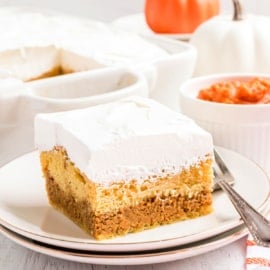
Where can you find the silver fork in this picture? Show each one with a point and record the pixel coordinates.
(257, 224)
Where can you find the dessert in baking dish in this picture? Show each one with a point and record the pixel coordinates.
(125, 166)
(35, 46)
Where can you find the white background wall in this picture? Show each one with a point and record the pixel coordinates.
(108, 10)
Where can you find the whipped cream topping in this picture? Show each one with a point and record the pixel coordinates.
(68, 41)
(131, 139)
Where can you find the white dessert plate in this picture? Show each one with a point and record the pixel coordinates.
(24, 209)
(158, 256)
(136, 23)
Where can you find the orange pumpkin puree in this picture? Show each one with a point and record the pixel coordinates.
(254, 91)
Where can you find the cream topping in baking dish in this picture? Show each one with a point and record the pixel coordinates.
(33, 45)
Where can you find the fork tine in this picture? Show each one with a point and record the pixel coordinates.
(221, 170)
(220, 162)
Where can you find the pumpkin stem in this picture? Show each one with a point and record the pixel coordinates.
(238, 10)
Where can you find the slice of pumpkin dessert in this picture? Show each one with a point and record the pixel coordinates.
(125, 166)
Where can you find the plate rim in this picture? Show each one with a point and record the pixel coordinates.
(176, 253)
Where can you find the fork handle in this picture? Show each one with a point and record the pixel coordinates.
(257, 224)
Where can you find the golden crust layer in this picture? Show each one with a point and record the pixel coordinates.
(120, 208)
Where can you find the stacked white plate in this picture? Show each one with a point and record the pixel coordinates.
(28, 219)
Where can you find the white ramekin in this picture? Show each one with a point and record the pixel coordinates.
(242, 128)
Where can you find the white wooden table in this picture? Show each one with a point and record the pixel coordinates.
(15, 257)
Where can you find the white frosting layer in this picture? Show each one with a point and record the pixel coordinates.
(135, 138)
(32, 43)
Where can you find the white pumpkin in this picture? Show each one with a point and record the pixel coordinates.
(237, 44)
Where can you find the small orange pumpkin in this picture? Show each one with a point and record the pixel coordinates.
(178, 16)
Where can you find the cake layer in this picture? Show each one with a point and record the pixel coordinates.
(132, 139)
(105, 212)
